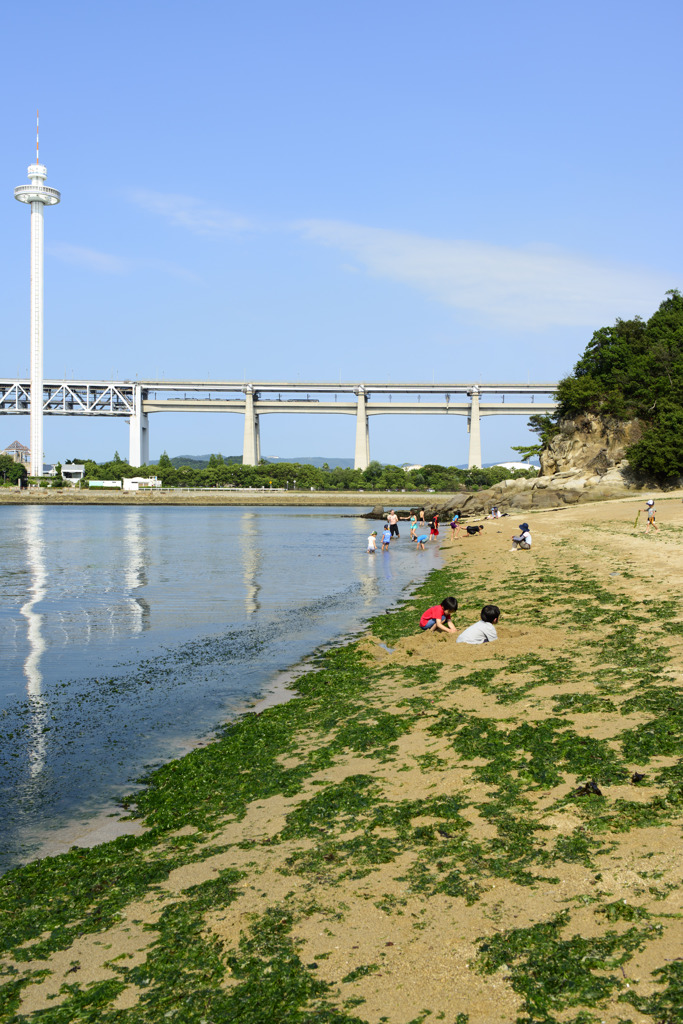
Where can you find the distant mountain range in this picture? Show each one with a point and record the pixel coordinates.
(202, 461)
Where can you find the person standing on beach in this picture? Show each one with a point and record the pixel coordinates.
(386, 538)
(413, 527)
(651, 513)
(434, 526)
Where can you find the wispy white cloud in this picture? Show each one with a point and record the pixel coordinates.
(105, 263)
(91, 259)
(187, 212)
(531, 288)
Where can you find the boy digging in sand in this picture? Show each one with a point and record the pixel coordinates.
(438, 617)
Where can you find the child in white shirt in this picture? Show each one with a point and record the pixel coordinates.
(484, 631)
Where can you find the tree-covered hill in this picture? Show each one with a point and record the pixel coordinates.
(635, 370)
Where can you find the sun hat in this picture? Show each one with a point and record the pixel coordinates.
(650, 502)
(524, 526)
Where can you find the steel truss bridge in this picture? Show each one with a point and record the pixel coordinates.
(136, 400)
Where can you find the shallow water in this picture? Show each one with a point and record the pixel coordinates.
(126, 634)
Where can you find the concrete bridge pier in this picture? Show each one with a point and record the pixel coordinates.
(138, 445)
(251, 446)
(362, 454)
(474, 428)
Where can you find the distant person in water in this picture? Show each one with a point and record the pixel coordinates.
(372, 542)
(386, 538)
(474, 531)
(484, 631)
(522, 542)
(422, 540)
(392, 520)
(422, 517)
(651, 513)
(438, 617)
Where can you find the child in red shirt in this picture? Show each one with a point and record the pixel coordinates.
(438, 617)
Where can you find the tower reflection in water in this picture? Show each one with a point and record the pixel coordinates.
(252, 558)
(107, 606)
(135, 569)
(37, 586)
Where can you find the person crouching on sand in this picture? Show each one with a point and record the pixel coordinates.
(474, 531)
(438, 617)
(523, 541)
(484, 631)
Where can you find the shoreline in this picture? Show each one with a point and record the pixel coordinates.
(110, 822)
(413, 833)
(45, 496)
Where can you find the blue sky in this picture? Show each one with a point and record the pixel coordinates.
(369, 190)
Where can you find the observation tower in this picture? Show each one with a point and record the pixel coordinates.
(38, 195)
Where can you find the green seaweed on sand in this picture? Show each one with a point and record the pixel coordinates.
(82, 891)
(552, 974)
(514, 773)
(664, 1006)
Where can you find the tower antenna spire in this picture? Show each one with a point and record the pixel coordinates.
(37, 125)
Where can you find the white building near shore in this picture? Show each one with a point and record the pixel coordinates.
(140, 483)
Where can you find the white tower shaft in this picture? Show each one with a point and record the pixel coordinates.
(38, 195)
(36, 339)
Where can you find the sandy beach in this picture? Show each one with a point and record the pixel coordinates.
(431, 831)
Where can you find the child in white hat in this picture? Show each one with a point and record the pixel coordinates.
(650, 509)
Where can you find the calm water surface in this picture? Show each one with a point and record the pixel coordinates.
(127, 634)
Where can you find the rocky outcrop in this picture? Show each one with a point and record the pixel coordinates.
(584, 462)
(590, 446)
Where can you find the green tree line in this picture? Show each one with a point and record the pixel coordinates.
(376, 477)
